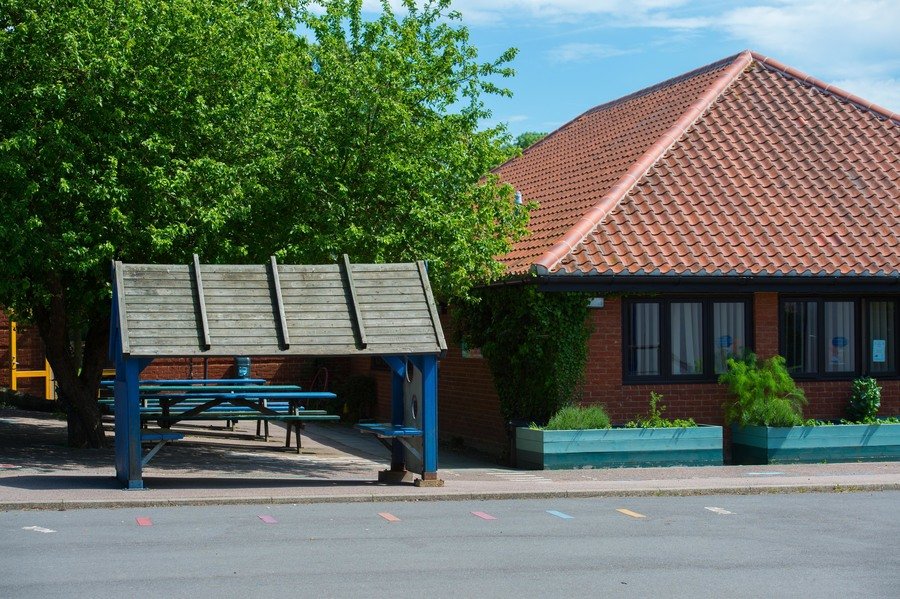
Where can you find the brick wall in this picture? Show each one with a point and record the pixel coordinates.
(469, 407)
(293, 370)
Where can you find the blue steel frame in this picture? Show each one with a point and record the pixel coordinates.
(129, 470)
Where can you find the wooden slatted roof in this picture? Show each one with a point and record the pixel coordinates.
(275, 309)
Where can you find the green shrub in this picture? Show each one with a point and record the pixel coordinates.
(535, 344)
(865, 399)
(654, 418)
(574, 418)
(763, 394)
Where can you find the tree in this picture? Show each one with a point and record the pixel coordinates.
(146, 131)
(386, 156)
(134, 131)
(528, 139)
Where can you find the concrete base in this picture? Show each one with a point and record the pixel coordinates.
(395, 476)
(435, 482)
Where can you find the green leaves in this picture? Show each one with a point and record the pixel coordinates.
(762, 394)
(535, 344)
(865, 400)
(385, 162)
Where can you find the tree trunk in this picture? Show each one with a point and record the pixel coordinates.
(77, 383)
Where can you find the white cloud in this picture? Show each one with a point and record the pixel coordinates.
(884, 92)
(582, 52)
(517, 118)
(838, 38)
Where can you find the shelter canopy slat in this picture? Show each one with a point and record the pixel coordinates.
(252, 309)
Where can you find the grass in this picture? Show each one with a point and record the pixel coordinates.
(579, 418)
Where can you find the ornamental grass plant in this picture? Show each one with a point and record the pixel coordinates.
(571, 418)
(763, 393)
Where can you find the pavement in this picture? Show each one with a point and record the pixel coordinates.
(214, 466)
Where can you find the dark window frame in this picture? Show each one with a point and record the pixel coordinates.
(665, 375)
(861, 346)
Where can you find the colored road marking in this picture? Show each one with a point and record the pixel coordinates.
(144, 521)
(719, 510)
(389, 517)
(622, 510)
(483, 516)
(268, 519)
(38, 529)
(560, 515)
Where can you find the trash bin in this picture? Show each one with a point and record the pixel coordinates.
(242, 366)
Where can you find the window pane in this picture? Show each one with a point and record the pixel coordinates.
(882, 340)
(728, 332)
(839, 337)
(643, 347)
(687, 348)
(800, 337)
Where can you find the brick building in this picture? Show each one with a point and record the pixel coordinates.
(744, 205)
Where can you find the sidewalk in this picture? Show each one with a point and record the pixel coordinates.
(338, 464)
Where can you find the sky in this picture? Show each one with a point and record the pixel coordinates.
(577, 54)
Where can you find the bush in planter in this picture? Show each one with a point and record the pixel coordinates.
(764, 393)
(574, 418)
(865, 399)
(654, 418)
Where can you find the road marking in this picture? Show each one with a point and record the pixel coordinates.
(268, 519)
(389, 517)
(622, 510)
(765, 473)
(719, 510)
(483, 516)
(38, 529)
(560, 515)
(143, 521)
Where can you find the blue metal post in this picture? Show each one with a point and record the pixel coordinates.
(398, 457)
(128, 422)
(429, 416)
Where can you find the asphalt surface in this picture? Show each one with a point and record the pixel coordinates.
(213, 466)
(801, 545)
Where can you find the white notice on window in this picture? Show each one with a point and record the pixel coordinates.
(878, 346)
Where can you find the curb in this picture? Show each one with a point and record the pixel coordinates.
(64, 505)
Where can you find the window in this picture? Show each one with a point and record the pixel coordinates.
(839, 337)
(682, 339)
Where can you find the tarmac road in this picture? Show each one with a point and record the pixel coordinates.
(802, 545)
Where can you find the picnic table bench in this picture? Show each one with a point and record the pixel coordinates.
(168, 402)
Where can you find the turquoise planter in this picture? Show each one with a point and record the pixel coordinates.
(615, 447)
(809, 444)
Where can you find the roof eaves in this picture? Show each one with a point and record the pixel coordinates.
(550, 259)
(775, 65)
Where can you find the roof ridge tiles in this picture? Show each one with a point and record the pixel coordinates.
(639, 168)
(772, 64)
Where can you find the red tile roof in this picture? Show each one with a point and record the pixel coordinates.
(742, 167)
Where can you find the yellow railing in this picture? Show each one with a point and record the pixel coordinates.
(16, 374)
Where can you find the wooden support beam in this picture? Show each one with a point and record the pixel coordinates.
(201, 303)
(432, 307)
(279, 303)
(119, 273)
(354, 304)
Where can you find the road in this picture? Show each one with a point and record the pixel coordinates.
(805, 545)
